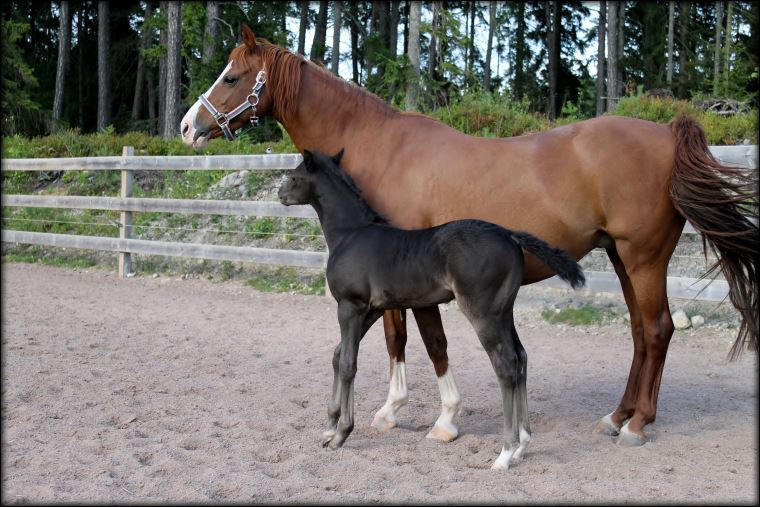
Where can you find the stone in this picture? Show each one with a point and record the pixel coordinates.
(681, 320)
(697, 321)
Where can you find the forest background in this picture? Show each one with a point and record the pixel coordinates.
(85, 78)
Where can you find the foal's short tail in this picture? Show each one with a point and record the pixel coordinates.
(718, 200)
(557, 259)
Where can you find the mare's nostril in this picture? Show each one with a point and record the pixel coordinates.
(185, 128)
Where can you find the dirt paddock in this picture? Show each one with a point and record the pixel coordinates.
(171, 390)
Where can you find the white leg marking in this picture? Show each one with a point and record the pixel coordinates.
(524, 442)
(502, 462)
(451, 404)
(398, 396)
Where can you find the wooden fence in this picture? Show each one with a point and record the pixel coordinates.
(125, 245)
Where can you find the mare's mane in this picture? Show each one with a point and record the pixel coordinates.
(334, 171)
(284, 79)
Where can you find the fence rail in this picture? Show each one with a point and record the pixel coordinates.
(125, 245)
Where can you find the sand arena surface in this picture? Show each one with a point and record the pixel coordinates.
(190, 391)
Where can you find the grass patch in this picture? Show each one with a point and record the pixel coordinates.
(39, 255)
(285, 279)
(582, 316)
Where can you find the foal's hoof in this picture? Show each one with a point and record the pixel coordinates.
(443, 433)
(327, 437)
(502, 462)
(607, 427)
(336, 442)
(383, 422)
(630, 438)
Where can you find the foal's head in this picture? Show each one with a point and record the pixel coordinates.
(301, 185)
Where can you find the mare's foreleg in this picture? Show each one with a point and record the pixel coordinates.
(431, 329)
(394, 323)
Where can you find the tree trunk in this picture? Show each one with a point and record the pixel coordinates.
(433, 52)
(601, 32)
(140, 79)
(161, 90)
(352, 9)
(317, 53)
(335, 56)
(104, 71)
(553, 15)
(173, 63)
(211, 35)
(519, 82)
(64, 48)
(303, 25)
(683, 12)
(612, 56)
(489, 46)
(727, 58)
(716, 59)
(393, 29)
(413, 52)
(620, 48)
(671, 23)
(80, 71)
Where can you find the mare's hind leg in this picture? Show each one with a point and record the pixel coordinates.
(431, 329)
(650, 285)
(394, 323)
(612, 422)
(646, 270)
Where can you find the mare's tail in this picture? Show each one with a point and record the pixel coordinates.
(718, 200)
(557, 259)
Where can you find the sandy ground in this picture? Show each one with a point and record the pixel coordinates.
(162, 389)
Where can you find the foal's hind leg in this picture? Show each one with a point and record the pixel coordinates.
(495, 334)
(521, 400)
(394, 323)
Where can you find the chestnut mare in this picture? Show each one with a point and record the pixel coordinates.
(623, 184)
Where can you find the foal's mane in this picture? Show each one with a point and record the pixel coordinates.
(334, 171)
(284, 79)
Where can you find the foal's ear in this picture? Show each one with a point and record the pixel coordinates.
(338, 156)
(248, 38)
(308, 159)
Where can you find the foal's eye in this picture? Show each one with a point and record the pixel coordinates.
(230, 80)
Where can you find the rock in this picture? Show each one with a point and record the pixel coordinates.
(681, 320)
(697, 321)
(155, 275)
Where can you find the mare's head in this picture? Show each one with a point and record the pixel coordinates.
(301, 185)
(234, 87)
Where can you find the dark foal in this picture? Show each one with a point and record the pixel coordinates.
(373, 267)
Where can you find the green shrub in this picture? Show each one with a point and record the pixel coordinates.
(720, 130)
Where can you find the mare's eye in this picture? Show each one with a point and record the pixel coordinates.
(230, 80)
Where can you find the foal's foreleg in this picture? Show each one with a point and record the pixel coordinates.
(354, 321)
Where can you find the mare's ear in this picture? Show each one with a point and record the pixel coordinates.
(308, 159)
(338, 156)
(248, 38)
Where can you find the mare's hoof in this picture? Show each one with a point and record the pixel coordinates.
(383, 422)
(443, 434)
(607, 427)
(629, 438)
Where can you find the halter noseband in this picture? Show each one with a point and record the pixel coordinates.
(252, 100)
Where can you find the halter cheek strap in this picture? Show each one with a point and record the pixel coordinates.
(251, 101)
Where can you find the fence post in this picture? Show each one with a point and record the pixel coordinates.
(125, 223)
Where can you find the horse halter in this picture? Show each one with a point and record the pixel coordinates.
(252, 100)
